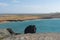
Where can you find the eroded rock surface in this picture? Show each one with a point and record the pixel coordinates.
(44, 36)
(4, 33)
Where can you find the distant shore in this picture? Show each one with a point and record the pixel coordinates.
(15, 18)
(24, 17)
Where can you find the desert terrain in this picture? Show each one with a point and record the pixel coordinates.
(23, 17)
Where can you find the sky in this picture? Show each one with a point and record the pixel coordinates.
(29, 6)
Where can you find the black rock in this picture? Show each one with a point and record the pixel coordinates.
(10, 31)
(30, 29)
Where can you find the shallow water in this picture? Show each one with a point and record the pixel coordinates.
(42, 25)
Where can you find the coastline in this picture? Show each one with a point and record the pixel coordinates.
(41, 36)
(15, 18)
(7, 21)
(21, 18)
(24, 17)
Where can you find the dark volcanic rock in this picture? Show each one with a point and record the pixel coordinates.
(10, 31)
(30, 29)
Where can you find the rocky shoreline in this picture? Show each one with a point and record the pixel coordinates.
(41, 36)
(15, 18)
(5, 35)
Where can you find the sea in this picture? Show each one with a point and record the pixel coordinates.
(42, 25)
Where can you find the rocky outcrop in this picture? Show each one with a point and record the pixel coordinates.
(41, 36)
(30, 29)
(10, 31)
(4, 33)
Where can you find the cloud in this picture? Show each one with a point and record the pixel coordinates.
(3, 4)
(15, 1)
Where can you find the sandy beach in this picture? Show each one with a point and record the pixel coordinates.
(9, 18)
(23, 17)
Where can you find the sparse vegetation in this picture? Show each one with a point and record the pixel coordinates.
(23, 17)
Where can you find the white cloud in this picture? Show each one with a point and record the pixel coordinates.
(15, 1)
(3, 4)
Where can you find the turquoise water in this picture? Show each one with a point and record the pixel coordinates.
(42, 25)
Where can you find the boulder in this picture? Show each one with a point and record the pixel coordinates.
(30, 29)
(4, 33)
(10, 31)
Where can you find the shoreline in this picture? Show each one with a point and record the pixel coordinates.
(15, 18)
(6, 21)
(21, 18)
(41, 36)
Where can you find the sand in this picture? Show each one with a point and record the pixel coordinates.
(10, 18)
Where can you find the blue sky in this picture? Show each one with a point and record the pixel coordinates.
(29, 6)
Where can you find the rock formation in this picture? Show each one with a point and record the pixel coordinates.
(4, 33)
(10, 31)
(30, 29)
